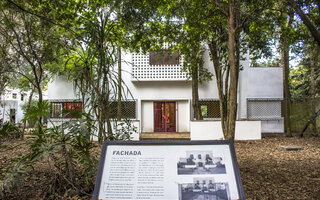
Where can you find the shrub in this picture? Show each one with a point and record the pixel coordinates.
(10, 131)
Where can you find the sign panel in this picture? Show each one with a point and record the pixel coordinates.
(168, 170)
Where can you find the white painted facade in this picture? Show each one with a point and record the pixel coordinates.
(10, 105)
(149, 84)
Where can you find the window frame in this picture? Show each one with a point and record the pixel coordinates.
(210, 115)
(63, 110)
(114, 106)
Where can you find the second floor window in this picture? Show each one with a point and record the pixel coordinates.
(14, 95)
(163, 57)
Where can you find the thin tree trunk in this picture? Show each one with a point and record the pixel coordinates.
(40, 101)
(284, 62)
(195, 94)
(286, 93)
(313, 91)
(219, 79)
(232, 93)
(27, 108)
(119, 86)
(314, 117)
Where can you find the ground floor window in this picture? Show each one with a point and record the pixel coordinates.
(210, 108)
(65, 109)
(128, 109)
(264, 109)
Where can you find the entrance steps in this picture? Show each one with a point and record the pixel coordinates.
(165, 136)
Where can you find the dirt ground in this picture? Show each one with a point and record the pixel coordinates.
(267, 172)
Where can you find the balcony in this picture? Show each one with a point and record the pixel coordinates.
(142, 70)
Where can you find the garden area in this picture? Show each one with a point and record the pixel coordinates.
(267, 171)
(76, 73)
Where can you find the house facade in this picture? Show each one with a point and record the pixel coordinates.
(10, 105)
(161, 102)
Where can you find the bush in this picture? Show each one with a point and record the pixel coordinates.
(10, 131)
(69, 150)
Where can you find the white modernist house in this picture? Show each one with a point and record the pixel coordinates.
(10, 105)
(161, 105)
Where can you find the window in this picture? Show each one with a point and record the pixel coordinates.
(210, 108)
(22, 97)
(56, 110)
(65, 109)
(128, 109)
(163, 57)
(264, 109)
(14, 95)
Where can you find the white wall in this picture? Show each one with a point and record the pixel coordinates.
(183, 116)
(259, 82)
(61, 88)
(206, 130)
(58, 122)
(211, 130)
(147, 116)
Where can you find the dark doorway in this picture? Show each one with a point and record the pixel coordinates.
(13, 115)
(164, 116)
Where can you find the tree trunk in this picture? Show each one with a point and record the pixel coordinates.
(312, 118)
(195, 94)
(27, 108)
(284, 62)
(222, 88)
(232, 93)
(38, 86)
(119, 85)
(313, 91)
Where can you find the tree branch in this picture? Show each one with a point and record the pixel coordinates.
(220, 5)
(314, 32)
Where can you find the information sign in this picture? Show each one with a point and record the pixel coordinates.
(168, 170)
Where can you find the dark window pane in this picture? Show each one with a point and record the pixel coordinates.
(163, 57)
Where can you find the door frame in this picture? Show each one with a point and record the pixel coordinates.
(155, 123)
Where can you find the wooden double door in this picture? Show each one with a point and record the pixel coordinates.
(164, 116)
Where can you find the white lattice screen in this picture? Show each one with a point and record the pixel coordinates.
(264, 108)
(142, 71)
(269, 112)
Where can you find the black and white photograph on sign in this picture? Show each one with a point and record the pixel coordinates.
(204, 189)
(201, 162)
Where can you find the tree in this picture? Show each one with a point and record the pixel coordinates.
(285, 24)
(307, 18)
(218, 25)
(313, 89)
(232, 16)
(33, 44)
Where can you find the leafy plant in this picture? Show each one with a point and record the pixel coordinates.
(9, 131)
(124, 130)
(68, 147)
(11, 178)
